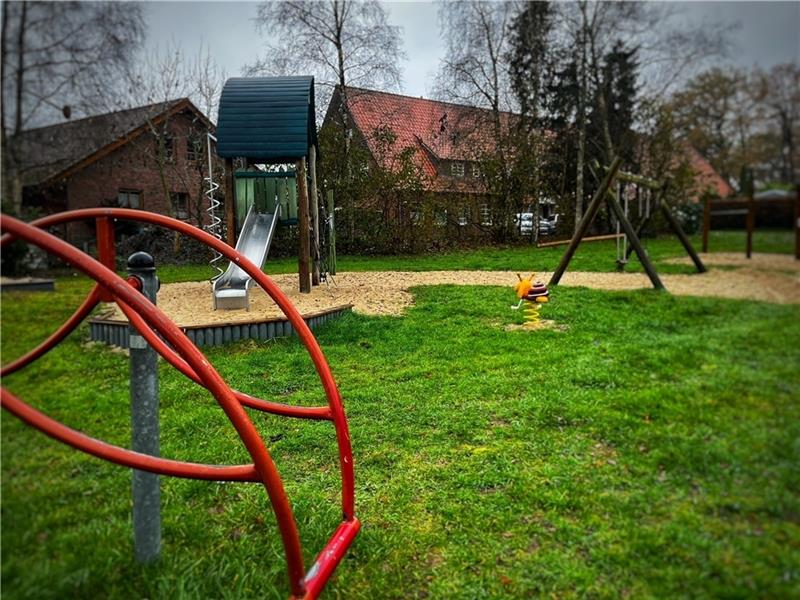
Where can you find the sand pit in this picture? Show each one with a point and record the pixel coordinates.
(760, 260)
(387, 293)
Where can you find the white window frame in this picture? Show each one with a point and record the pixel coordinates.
(463, 216)
(486, 215)
(457, 169)
(476, 170)
(126, 201)
(183, 215)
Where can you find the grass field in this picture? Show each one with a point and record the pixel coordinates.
(646, 448)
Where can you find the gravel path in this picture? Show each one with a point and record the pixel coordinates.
(387, 293)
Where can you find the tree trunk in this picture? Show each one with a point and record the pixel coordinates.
(581, 136)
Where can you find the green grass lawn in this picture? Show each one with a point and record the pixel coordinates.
(649, 447)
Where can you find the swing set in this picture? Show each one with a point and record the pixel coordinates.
(651, 196)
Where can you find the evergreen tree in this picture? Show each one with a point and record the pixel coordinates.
(528, 55)
(617, 110)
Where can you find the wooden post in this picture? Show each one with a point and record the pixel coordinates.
(586, 220)
(304, 254)
(230, 204)
(332, 235)
(706, 221)
(634, 241)
(314, 215)
(797, 222)
(751, 221)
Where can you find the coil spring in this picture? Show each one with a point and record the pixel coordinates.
(530, 313)
(214, 221)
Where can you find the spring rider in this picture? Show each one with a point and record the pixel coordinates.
(531, 297)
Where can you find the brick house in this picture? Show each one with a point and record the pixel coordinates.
(447, 139)
(151, 158)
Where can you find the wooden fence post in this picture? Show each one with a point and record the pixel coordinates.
(314, 215)
(751, 220)
(303, 261)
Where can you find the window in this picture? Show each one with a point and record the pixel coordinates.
(457, 169)
(463, 216)
(476, 170)
(440, 217)
(180, 204)
(194, 150)
(415, 215)
(168, 143)
(129, 199)
(486, 215)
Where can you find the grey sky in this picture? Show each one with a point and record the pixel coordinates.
(768, 32)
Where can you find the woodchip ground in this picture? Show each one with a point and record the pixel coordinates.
(766, 277)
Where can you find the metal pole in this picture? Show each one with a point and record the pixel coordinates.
(332, 234)
(144, 421)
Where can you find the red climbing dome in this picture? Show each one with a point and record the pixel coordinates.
(173, 345)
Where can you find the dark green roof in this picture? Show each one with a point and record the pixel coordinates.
(268, 119)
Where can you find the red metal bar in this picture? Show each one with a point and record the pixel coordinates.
(123, 456)
(196, 360)
(106, 250)
(303, 332)
(66, 328)
(168, 354)
(330, 557)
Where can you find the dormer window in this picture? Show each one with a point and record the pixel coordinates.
(457, 169)
(476, 170)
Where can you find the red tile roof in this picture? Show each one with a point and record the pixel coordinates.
(442, 131)
(706, 177)
(436, 130)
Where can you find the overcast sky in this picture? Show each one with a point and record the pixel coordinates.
(767, 34)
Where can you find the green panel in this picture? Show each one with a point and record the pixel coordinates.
(270, 190)
(265, 189)
(292, 212)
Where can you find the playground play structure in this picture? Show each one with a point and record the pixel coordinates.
(267, 121)
(151, 331)
(606, 192)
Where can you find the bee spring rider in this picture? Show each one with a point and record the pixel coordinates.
(533, 295)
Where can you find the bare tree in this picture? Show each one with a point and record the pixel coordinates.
(52, 56)
(778, 91)
(161, 77)
(343, 44)
(476, 72)
(667, 49)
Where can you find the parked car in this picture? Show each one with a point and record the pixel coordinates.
(548, 226)
(524, 223)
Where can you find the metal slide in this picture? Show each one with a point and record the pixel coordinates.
(231, 289)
